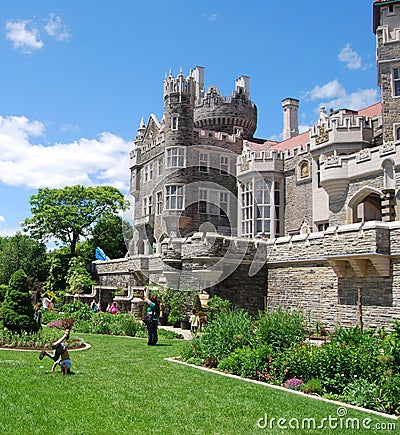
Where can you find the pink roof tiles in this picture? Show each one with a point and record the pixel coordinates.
(254, 146)
(300, 140)
(371, 111)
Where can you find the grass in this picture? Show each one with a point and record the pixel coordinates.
(123, 386)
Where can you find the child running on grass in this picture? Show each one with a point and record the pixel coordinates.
(60, 351)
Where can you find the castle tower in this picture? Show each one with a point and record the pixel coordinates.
(290, 117)
(386, 21)
(236, 115)
(179, 97)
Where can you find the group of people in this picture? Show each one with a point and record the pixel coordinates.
(61, 357)
(95, 306)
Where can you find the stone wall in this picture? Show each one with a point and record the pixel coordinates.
(294, 272)
(298, 194)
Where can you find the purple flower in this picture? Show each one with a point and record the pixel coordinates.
(293, 384)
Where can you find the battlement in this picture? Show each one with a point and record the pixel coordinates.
(179, 84)
(234, 115)
(204, 245)
(342, 128)
(388, 35)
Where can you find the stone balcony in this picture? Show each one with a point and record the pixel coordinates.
(337, 171)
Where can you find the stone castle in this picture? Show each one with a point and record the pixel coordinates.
(310, 222)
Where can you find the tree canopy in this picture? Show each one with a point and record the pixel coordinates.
(112, 233)
(22, 252)
(70, 213)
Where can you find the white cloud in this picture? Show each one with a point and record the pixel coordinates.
(209, 17)
(334, 95)
(2, 219)
(23, 35)
(355, 100)
(352, 59)
(104, 160)
(56, 28)
(329, 90)
(70, 127)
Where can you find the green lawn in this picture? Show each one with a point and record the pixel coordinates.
(122, 386)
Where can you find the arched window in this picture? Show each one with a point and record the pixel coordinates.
(389, 181)
(366, 206)
(303, 170)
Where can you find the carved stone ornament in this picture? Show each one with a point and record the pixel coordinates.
(387, 148)
(332, 160)
(364, 155)
(245, 164)
(322, 137)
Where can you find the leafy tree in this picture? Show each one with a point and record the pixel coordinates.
(3, 291)
(22, 252)
(109, 233)
(69, 213)
(78, 278)
(17, 308)
(56, 279)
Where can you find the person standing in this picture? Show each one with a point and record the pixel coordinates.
(46, 303)
(153, 307)
(113, 308)
(194, 322)
(38, 315)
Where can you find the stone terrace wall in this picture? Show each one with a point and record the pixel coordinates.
(293, 272)
(299, 275)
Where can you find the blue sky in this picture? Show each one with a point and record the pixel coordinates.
(76, 77)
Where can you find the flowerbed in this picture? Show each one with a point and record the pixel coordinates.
(358, 368)
(36, 341)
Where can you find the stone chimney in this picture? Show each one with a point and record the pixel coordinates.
(290, 117)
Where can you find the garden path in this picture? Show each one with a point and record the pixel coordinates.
(187, 335)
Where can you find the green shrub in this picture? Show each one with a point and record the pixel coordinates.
(350, 355)
(50, 316)
(215, 306)
(17, 308)
(78, 310)
(361, 392)
(246, 362)
(390, 394)
(300, 360)
(280, 329)
(228, 331)
(3, 291)
(313, 386)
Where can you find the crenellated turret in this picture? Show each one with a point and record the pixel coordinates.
(234, 115)
(179, 96)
